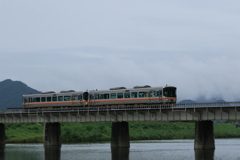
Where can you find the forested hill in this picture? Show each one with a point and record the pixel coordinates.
(11, 93)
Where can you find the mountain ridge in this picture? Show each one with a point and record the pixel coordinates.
(11, 93)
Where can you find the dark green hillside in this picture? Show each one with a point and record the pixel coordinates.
(11, 93)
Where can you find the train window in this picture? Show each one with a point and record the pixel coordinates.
(113, 95)
(127, 95)
(75, 97)
(120, 95)
(104, 96)
(49, 99)
(143, 94)
(159, 93)
(154, 93)
(92, 96)
(33, 99)
(134, 95)
(38, 99)
(43, 99)
(96, 96)
(25, 100)
(60, 98)
(67, 98)
(80, 97)
(169, 92)
(54, 99)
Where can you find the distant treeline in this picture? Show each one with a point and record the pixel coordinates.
(101, 131)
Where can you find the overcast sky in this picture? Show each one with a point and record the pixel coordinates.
(60, 45)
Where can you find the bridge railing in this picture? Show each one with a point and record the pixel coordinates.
(207, 105)
(89, 109)
(110, 108)
(125, 108)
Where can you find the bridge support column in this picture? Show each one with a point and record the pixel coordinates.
(2, 134)
(120, 135)
(204, 136)
(52, 152)
(52, 135)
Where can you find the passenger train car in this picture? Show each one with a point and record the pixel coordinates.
(114, 96)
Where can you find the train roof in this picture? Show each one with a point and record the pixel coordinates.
(50, 93)
(136, 88)
(111, 90)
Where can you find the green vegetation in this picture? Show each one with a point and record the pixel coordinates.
(89, 132)
(24, 133)
(85, 132)
(161, 130)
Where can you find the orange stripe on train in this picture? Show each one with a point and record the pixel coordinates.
(111, 100)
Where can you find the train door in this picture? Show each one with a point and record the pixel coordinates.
(76, 100)
(92, 99)
(153, 96)
(26, 102)
(86, 98)
(160, 96)
(96, 97)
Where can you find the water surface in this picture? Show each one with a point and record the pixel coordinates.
(139, 150)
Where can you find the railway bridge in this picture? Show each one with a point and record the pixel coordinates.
(202, 113)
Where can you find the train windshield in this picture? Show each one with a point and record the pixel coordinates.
(169, 92)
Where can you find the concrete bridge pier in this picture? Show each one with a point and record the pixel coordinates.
(52, 152)
(2, 134)
(120, 153)
(204, 136)
(52, 136)
(120, 135)
(207, 154)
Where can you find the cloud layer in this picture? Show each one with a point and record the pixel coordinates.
(59, 45)
(193, 75)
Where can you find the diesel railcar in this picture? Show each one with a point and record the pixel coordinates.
(53, 100)
(114, 96)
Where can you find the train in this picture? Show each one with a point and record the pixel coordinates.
(138, 95)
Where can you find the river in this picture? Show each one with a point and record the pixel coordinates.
(139, 150)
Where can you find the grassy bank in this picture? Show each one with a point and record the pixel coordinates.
(88, 132)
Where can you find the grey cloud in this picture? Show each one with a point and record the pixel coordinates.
(58, 45)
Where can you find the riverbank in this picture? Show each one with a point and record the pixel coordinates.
(101, 131)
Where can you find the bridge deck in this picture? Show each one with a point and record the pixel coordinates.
(176, 112)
